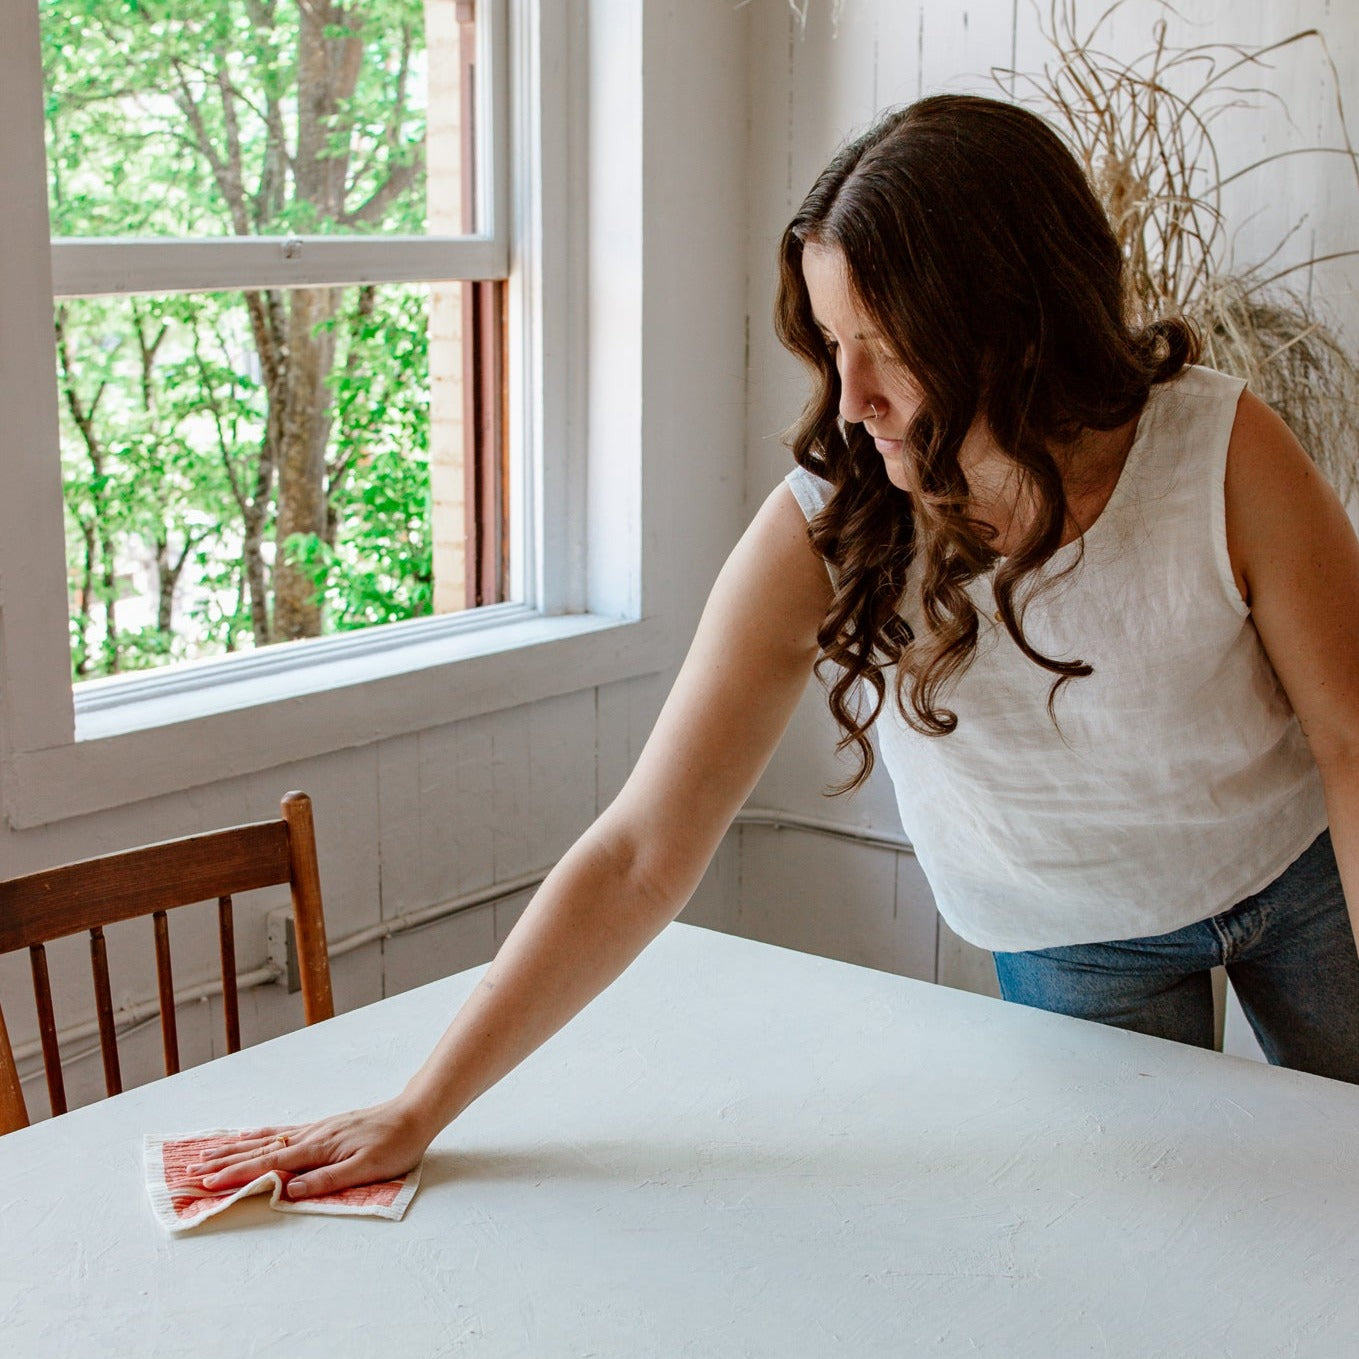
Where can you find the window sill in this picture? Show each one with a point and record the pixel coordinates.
(151, 735)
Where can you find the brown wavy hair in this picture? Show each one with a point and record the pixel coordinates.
(975, 244)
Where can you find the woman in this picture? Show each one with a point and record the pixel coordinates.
(1080, 587)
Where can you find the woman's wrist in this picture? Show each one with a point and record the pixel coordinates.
(427, 1110)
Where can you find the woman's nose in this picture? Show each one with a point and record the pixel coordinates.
(860, 397)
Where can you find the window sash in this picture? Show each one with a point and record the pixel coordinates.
(94, 266)
(99, 267)
(103, 698)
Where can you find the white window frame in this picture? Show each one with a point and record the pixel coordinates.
(569, 212)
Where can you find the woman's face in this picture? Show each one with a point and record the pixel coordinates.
(875, 390)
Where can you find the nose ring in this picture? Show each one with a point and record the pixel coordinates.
(874, 409)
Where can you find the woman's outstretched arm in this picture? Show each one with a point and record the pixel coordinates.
(622, 882)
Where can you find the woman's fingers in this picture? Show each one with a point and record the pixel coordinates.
(246, 1147)
(234, 1171)
(224, 1156)
(251, 1135)
(289, 1160)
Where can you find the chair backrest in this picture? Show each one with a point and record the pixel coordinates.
(152, 880)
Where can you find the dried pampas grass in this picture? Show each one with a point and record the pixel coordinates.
(1143, 129)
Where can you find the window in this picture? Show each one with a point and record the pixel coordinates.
(573, 617)
(323, 449)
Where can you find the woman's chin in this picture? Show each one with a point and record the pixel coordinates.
(896, 474)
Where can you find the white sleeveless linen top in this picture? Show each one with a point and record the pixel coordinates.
(1179, 781)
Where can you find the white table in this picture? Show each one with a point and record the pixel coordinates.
(737, 1150)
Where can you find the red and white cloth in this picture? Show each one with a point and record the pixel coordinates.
(180, 1201)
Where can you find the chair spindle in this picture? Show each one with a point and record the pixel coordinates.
(103, 999)
(13, 1109)
(47, 1029)
(231, 1010)
(165, 985)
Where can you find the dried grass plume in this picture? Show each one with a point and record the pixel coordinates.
(1144, 130)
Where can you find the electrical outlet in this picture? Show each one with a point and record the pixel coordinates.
(283, 948)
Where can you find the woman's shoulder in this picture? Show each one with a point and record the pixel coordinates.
(1275, 495)
(1264, 460)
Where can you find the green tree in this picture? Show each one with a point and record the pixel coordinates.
(224, 435)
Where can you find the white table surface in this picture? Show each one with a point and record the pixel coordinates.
(737, 1150)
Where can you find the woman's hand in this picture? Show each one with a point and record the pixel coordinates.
(361, 1147)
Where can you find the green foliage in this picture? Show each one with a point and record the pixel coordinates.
(145, 98)
(181, 118)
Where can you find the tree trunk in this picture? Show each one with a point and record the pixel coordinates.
(168, 574)
(109, 586)
(302, 457)
(166, 580)
(253, 516)
(84, 611)
(328, 66)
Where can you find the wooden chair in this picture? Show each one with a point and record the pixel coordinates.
(41, 907)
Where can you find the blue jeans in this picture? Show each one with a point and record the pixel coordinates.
(1289, 952)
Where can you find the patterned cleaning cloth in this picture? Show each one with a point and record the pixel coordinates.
(180, 1201)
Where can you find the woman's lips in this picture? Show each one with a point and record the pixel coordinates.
(889, 448)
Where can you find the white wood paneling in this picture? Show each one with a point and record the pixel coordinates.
(1238, 1038)
(400, 835)
(356, 980)
(958, 47)
(464, 940)
(624, 716)
(828, 896)
(540, 802)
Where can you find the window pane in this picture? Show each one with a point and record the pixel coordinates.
(258, 117)
(243, 469)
